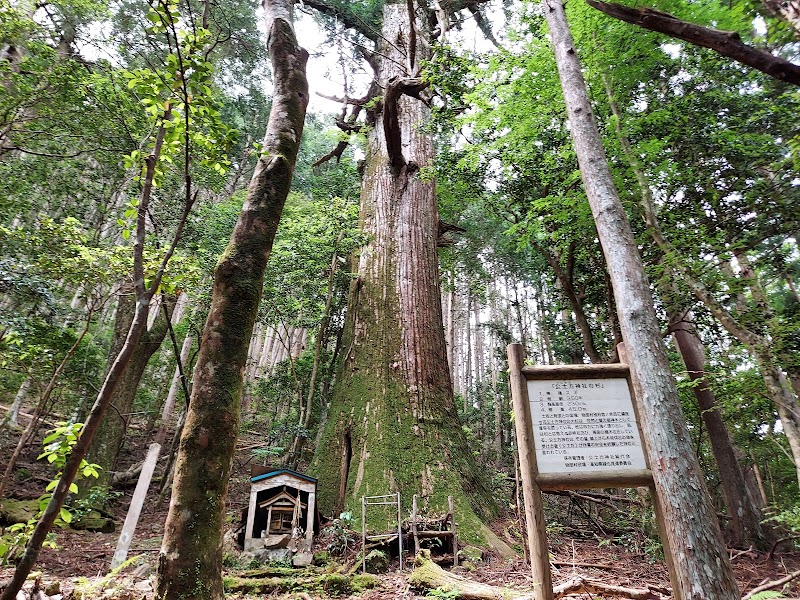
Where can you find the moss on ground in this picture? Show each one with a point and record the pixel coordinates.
(18, 511)
(311, 580)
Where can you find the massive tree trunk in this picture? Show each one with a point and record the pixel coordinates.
(393, 424)
(701, 566)
(190, 562)
(745, 518)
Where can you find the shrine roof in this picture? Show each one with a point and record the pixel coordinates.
(288, 472)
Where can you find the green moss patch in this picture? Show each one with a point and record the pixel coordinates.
(17, 511)
(332, 585)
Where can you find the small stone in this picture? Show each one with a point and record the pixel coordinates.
(302, 559)
(470, 554)
(142, 571)
(51, 588)
(376, 562)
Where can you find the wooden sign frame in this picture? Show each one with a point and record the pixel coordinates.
(533, 482)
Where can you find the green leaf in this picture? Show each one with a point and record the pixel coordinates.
(53, 436)
(65, 515)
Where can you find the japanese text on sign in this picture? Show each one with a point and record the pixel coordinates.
(584, 425)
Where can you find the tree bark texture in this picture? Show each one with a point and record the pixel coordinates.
(702, 566)
(726, 43)
(393, 424)
(190, 562)
(745, 518)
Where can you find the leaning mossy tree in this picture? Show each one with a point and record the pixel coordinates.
(392, 424)
(190, 562)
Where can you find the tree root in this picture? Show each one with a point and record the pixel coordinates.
(771, 552)
(429, 575)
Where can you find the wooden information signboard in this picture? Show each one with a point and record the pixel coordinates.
(576, 428)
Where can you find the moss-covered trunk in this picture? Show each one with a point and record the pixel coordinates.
(190, 563)
(393, 424)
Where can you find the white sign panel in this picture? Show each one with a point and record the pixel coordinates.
(584, 425)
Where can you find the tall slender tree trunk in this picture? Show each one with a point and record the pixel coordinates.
(468, 368)
(702, 567)
(564, 277)
(12, 417)
(393, 424)
(523, 330)
(450, 325)
(497, 397)
(547, 350)
(778, 387)
(745, 517)
(190, 562)
(108, 440)
(306, 411)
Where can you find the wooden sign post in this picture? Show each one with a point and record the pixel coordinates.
(577, 428)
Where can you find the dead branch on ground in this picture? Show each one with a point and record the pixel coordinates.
(771, 584)
(428, 575)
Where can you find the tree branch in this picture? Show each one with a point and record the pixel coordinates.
(391, 123)
(348, 19)
(725, 43)
(348, 126)
(412, 40)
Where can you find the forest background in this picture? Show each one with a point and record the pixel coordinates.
(106, 107)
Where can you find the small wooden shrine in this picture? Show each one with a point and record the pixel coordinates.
(281, 512)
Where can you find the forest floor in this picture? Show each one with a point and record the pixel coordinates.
(80, 563)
